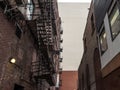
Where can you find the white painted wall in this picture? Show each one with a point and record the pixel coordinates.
(113, 46)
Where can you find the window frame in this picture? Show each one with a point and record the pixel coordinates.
(100, 33)
(113, 5)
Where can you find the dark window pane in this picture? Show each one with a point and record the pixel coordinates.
(18, 31)
(92, 24)
(18, 87)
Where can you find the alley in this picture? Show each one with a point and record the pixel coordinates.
(59, 44)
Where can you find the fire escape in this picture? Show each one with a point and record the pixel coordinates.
(43, 29)
(13, 14)
(44, 68)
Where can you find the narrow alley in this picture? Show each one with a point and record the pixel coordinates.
(59, 44)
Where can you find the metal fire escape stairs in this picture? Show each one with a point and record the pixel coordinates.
(13, 14)
(44, 29)
(44, 68)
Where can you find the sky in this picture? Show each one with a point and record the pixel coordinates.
(74, 0)
(73, 17)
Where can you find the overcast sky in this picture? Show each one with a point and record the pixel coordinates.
(74, 0)
(73, 17)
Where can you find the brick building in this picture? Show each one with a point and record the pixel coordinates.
(105, 44)
(69, 80)
(30, 44)
(89, 72)
(14, 46)
(108, 28)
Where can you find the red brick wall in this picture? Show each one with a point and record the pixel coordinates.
(69, 80)
(89, 69)
(21, 49)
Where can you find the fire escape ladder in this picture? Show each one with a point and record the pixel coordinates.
(3, 4)
(14, 14)
(44, 68)
(11, 11)
(53, 18)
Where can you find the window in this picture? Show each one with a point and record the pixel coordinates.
(30, 8)
(114, 19)
(82, 83)
(87, 77)
(18, 87)
(103, 40)
(18, 31)
(92, 24)
(85, 46)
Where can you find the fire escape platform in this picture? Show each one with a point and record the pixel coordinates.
(49, 78)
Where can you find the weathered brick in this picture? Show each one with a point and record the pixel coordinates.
(21, 49)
